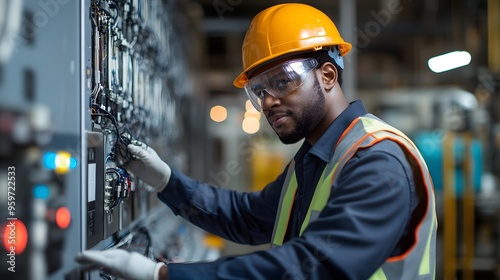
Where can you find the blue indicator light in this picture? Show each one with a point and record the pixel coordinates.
(73, 163)
(49, 160)
(41, 192)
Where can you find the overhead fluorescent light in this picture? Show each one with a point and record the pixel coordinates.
(449, 61)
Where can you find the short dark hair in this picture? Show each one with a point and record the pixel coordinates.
(322, 57)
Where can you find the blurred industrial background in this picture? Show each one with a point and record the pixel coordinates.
(81, 78)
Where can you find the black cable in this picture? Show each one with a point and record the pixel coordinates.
(104, 276)
(116, 203)
(121, 139)
(114, 6)
(149, 247)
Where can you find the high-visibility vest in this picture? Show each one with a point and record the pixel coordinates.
(419, 261)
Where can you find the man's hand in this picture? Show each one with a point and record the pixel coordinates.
(121, 263)
(147, 165)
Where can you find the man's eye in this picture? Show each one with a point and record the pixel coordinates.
(261, 93)
(282, 84)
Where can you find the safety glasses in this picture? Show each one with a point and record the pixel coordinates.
(279, 80)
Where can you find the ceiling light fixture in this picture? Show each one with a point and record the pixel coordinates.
(449, 61)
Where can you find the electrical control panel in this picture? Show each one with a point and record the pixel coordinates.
(79, 81)
(129, 101)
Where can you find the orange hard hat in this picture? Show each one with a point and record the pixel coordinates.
(285, 29)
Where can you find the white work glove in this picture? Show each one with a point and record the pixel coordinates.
(120, 263)
(147, 165)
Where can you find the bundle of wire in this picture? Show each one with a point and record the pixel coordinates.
(123, 137)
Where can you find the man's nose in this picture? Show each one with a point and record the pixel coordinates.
(269, 101)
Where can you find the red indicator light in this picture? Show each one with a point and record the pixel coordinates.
(63, 217)
(15, 237)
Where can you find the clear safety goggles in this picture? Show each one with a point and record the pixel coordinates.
(279, 80)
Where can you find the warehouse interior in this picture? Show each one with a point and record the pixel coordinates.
(165, 71)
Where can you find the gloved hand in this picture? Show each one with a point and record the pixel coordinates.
(147, 165)
(121, 263)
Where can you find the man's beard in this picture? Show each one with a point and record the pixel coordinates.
(309, 119)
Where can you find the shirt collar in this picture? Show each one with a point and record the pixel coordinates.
(325, 146)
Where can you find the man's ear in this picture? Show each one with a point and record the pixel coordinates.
(329, 75)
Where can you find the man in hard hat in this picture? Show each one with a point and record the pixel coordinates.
(356, 201)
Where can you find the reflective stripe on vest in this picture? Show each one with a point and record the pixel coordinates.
(419, 261)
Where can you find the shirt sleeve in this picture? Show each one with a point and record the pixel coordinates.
(242, 217)
(356, 232)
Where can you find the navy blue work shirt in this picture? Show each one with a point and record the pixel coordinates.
(362, 224)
